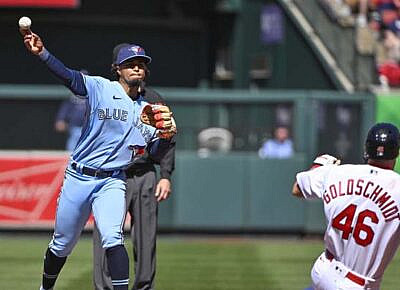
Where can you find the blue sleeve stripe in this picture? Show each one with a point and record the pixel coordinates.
(72, 79)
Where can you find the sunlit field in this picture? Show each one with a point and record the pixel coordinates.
(183, 263)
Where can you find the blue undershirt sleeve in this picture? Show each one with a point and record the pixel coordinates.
(72, 79)
(158, 147)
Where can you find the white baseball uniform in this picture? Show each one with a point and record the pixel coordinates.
(362, 209)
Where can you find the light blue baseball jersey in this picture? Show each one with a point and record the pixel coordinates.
(110, 133)
(112, 126)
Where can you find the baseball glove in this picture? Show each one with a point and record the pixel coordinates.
(159, 117)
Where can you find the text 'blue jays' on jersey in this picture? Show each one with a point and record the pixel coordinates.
(113, 127)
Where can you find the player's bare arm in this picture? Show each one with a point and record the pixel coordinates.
(296, 190)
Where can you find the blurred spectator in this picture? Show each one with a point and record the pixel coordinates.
(385, 19)
(378, 32)
(387, 13)
(387, 59)
(70, 118)
(279, 147)
(339, 10)
(379, 14)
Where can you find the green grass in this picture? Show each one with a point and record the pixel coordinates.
(183, 264)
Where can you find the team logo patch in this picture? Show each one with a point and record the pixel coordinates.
(136, 49)
(380, 150)
(137, 150)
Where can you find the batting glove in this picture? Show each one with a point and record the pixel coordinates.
(325, 159)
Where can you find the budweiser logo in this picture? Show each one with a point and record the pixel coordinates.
(29, 187)
(21, 192)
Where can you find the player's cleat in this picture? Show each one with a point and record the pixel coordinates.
(41, 288)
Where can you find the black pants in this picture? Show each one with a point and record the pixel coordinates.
(143, 208)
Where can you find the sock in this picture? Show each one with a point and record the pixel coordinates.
(118, 265)
(52, 267)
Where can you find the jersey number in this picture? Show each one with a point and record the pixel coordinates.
(347, 216)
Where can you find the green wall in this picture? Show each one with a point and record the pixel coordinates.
(238, 191)
(387, 110)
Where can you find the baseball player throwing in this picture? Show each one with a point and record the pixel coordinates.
(361, 204)
(94, 179)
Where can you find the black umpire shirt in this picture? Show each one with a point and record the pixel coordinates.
(145, 162)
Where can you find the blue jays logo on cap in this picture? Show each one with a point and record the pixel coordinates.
(132, 51)
(136, 49)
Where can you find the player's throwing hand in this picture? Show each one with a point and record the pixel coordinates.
(33, 43)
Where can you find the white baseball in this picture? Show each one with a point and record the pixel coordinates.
(24, 22)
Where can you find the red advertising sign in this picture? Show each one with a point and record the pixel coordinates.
(29, 186)
(41, 3)
(30, 183)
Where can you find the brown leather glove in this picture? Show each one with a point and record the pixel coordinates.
(159, 117)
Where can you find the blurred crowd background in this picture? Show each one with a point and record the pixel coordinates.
(377, 25)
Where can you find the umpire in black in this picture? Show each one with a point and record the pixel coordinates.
(143, 193)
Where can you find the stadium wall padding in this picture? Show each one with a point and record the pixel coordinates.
(234, 191)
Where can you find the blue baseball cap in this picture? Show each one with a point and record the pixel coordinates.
(131, 51)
